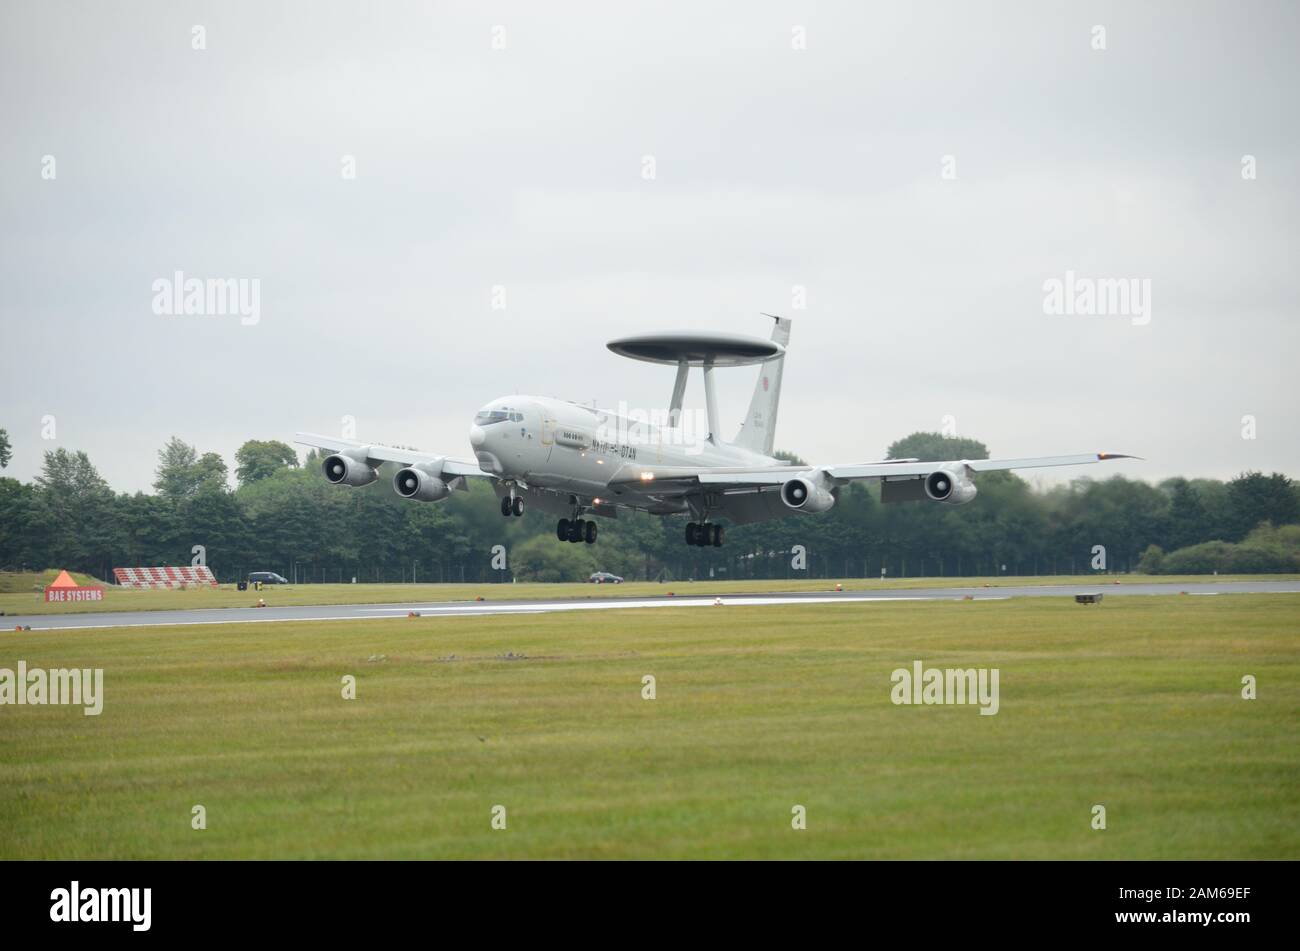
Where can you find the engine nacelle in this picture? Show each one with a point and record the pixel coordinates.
(416, 483)
(345, 470)
(943, 486)
(807, 494)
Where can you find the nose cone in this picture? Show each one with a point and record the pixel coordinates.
(477, 437)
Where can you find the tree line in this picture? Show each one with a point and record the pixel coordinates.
(282, 516)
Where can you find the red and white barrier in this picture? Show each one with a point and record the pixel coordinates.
(165, 577)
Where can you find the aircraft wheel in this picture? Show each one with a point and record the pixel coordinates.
(576, 528)
(591, 533)
(505, 505)
(690, 533)
(562, 529)
(717, 536)
(518, 505)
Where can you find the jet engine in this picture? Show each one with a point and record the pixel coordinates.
(420, 484)
(343, 469)
(943, 486)
(807, 494)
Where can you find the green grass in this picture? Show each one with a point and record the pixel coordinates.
(119, 599)
(1134, 704)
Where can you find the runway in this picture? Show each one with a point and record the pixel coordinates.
(363, 612)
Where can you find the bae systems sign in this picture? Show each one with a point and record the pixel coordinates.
(64, 590)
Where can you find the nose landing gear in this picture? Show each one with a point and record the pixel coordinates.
(512, 505)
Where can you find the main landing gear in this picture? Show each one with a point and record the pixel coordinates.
(702, 534)
(576, 530)
(512, 505)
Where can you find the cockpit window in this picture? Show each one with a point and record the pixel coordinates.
(487, 417)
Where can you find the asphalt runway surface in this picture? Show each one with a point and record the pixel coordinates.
(695, 598)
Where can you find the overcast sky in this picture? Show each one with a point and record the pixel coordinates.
(794, 145)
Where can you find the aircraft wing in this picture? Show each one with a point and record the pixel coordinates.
(661, 479)
(406, 457)
(850, 473)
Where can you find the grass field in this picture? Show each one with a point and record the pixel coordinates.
(1134, 705)
(20, 597)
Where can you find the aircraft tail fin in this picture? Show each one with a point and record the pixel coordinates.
(758, 431)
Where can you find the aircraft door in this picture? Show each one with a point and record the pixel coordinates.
(547, 433)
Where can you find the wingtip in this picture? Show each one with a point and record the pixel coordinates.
(1104, 456)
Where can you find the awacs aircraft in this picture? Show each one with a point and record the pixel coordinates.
(573, 460)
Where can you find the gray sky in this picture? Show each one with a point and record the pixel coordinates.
(774, 167)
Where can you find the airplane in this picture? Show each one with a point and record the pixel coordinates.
(574, 460)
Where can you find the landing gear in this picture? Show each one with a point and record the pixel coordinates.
(505, 506)
(576, 530)
(703, 534)
(512, 505)
(518, 505)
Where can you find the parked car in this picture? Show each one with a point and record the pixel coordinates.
(604, 577)
(266, 577)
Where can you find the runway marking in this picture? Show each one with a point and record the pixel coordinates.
(436, 609)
